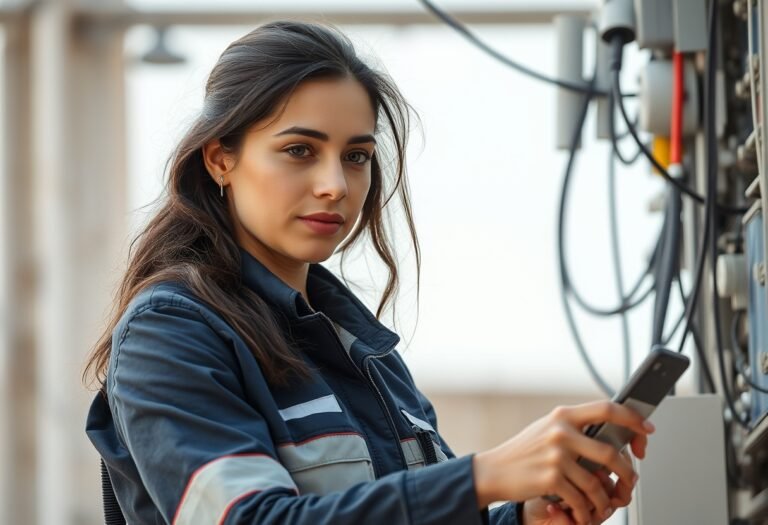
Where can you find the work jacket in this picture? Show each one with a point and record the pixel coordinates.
(192, 433)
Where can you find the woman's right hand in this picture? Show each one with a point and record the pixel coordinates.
(541, 460)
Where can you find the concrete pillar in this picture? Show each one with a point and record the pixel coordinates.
(17, 284)
(79, 172)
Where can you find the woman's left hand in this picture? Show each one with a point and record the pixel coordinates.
(540, 511)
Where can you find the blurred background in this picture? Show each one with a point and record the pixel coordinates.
(95, 96)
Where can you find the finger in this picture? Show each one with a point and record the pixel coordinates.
(603, 454)
(590, 485)
(558, 515)
(622, 493)
(597, 518)
(604, 411)
(639, 444)
(605, 479)
(579, 506)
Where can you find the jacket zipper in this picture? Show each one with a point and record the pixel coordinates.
(371, 383)
(425, 443)
(383, 403)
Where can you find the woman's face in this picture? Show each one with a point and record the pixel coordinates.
(315, 157)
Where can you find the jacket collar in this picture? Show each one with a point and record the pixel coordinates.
(329, 296)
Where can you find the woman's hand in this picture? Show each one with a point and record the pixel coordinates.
(540, 511)
(541, 460)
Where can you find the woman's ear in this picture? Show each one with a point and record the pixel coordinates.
(217, 161)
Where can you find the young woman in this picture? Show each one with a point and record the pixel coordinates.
(242, 382)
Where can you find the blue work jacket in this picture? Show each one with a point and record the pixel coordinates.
(192, 433)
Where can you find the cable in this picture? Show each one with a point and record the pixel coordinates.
(690, 306)
(693, 296)
(566, 283)
(711, 142)
(673, 210)
(616, 256)
(738, 210)
(684, 301)
(627, 161)
(586, 88)
(690, 327)
(739, 360)
(690, 309)
(598, 379)
(668, 263)
(703, 359)
(666, 339)
(630, 302)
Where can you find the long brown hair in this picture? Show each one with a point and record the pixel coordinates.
(191, 239)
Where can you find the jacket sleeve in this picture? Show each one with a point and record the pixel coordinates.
(508, 514)
(205, 455)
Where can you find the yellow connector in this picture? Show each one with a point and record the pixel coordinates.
(660, 151)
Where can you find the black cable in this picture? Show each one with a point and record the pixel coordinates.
(691, 302)
(736, 210)
(667, 264)
(690, 309)
(693, 296)
(609, 312)
(599, 380)
(586, 88)
(738, 362)
(690, 326)
(616, 256)
(699, 346)
(616, 58)
(667, 338)
(627, 161)
(711, 165)
(629, 302)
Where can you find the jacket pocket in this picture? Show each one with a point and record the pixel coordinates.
(424, 448)
(328, 462)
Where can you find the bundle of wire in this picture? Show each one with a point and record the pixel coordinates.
(663, 265)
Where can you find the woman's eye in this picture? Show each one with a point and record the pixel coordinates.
(298, 151)
(358, 157)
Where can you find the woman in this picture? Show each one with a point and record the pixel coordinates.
(243, 383)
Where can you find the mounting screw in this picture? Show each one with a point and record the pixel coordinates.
(759, 270)
(740, 9)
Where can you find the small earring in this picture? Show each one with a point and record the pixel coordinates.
(221, 184)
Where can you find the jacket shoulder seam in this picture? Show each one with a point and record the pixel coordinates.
(175, 300)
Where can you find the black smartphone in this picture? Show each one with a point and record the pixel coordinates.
(647, 387)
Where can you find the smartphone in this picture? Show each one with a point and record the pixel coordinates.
(647, 387)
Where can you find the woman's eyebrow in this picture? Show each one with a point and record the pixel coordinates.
(295, 130)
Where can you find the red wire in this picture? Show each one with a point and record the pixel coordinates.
(676, 126)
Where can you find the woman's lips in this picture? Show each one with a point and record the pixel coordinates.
(321, 227)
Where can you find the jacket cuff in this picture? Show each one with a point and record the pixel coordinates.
(510, 513)
(444, 493)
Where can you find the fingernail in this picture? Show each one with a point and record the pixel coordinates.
(607, 513)
(649, 426)
(634, 479)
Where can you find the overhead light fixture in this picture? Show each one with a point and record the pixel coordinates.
(160, 54)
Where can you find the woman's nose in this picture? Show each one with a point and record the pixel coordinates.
(330, 180)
